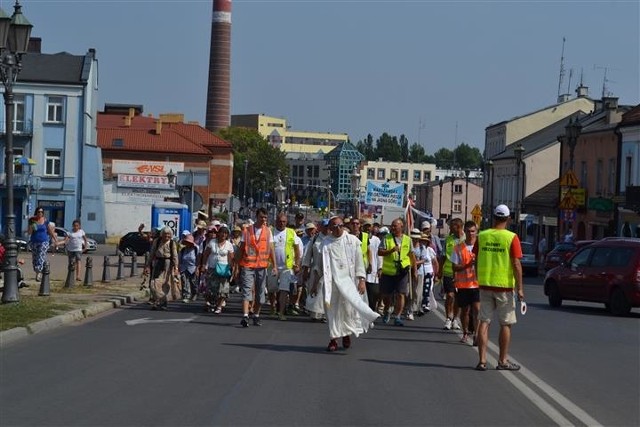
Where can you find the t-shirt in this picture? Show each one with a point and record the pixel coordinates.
(76, 240)
(219, 254)
(280, 241)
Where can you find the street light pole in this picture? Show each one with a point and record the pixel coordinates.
(355, 188)
(466, 193)
(490, 164)
(14, 42)
(518, 151)
(440, 184)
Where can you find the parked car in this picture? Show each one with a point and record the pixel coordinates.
(529, 261)
(134, 242)
(562, 252)
(606, 271)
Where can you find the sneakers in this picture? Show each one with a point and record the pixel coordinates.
(398, 321)
(292, 311)
(256, 321)
(456, 324)
(38, 277)
(333, 346)
(185, 300)
(245, 321)
(281, 317)
(386, 318)
(410, 316)
(447, 324)
(346, 341)
(218, 310)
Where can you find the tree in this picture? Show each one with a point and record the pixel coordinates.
(264, 161)
(404, 148)
(387, 148)
(416, 153)
(467, 157)
(444, 158)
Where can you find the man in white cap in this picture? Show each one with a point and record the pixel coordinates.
(499, 273)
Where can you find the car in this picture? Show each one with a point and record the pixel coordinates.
(562, 252)
(134, 242)
(529, 261)
(62, 233)
(606, 271)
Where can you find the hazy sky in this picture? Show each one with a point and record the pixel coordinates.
(437, 71)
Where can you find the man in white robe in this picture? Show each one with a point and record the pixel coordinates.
(343, 283)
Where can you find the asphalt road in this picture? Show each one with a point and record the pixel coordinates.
(187, 367)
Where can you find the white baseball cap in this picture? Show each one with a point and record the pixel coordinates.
(501, 211)
(425, 224)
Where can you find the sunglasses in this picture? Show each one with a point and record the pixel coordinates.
(336, 226)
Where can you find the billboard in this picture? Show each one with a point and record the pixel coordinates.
(384, 193)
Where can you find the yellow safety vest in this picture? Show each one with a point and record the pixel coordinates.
(289, 243)
(389, 267)
(493, 263)
(365, 248)
(449, 244)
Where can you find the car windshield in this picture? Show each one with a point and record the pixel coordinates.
(565, 247)
(527, 248)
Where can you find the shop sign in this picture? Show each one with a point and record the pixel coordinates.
(138, 167)
(143, 181)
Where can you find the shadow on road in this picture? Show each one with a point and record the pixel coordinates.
(285, 348)
(421, 365)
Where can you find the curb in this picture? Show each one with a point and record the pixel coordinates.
(16, 334)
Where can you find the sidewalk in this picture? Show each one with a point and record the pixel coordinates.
(79, 302)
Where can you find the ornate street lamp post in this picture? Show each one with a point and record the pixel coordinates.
(14, 42)
(355, 190)
(517, 152)
(572, 132)
(281, 194)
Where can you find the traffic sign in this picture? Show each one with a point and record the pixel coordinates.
(476, 211)
(568, 202)
(477, 219)
(569, 179)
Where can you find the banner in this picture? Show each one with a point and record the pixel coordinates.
(384, 194)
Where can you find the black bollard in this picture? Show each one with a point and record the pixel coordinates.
(88, 272)
(71, 274)
(44, 281)
(106, 273)
(134, 265)
(119, 273)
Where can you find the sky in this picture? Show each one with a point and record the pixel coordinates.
(438, 72)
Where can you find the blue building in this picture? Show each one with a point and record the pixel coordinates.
(57, 162)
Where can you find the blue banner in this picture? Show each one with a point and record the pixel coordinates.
(385, 194)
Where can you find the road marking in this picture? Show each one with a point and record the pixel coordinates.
(145, 320)
(536, 398)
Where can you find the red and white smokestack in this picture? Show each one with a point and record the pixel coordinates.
(219, 89)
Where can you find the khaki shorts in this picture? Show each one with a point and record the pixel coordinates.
(501, 302)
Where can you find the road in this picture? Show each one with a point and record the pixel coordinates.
(186, 367)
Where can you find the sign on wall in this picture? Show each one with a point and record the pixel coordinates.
(143, 181)
(143, 167)
(384, 194)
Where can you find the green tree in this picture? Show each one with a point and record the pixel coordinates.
(416, 153)
(444, 158)
(264, 161)
(404, 148)
(387, 148)
(467, 157)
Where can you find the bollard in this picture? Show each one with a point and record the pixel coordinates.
(71, 274)
(134, 265)
(88, 272)
(106, 273)
(44, 281)
(119, 275)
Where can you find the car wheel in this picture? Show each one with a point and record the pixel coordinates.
(555, 299)
(618, 303)
(128, 251)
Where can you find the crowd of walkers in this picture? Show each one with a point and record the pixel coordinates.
(346, 272)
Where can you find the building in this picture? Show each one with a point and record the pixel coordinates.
(278, 133)
(140, 152)
(628, 208)
(410, 174)
(55, 141)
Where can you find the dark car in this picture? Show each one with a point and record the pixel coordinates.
(134, 242)
(562, 252)
(607, 271)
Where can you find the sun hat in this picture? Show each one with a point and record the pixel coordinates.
(185, 233)
(425, 225)
(216, 223)
(501, 211)
(310, 225)
(367, 221)
(188, 239)
(201, 224)
(415, 233)
(237, 228)
(384, 230)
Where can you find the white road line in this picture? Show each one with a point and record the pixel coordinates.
(535, 397)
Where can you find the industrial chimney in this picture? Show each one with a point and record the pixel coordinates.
(219, 89)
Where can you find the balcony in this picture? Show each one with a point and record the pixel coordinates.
(20, 128)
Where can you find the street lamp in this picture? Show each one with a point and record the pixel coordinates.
(14, 42)
(440, 184)
(171, 177)
(518, 151)
(572, 132)
(355, 190)
(466, 193)
(281, 194)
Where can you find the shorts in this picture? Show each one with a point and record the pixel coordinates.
(253, 278)
(448, 285)
(74, 256)
(285, 280)
(466, 296)
(216, 285)
(391, 284)
(501, 302)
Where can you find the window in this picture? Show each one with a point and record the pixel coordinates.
(600, 257)
(628, 168)
(427, 176)
(457, 206)
(611, 184)
(404, 175)
(371, 173)
(417, 175)
(394, 175)
(117, 142)
(580, 260)
(599, 176)
(381, 174)
(620, 257)
(18, 113)
(52, 161)
(457, 188)
(54, 109)
(17, 153)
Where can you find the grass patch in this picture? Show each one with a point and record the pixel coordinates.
(30, 309)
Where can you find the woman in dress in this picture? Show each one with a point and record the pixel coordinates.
(76, 243)
(164, 281)
(41, 232)
(217, 265)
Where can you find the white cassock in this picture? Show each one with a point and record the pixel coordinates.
(342, 263)
(313, 259)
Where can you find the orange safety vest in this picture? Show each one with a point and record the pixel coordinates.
(465, 279)
(256, 253)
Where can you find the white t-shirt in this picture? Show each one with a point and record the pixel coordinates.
(376, 260)
(280, 241)
(218, 254)
(76, 240)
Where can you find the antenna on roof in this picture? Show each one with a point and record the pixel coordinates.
(605, 80)
(561, 77)
(569, 83)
